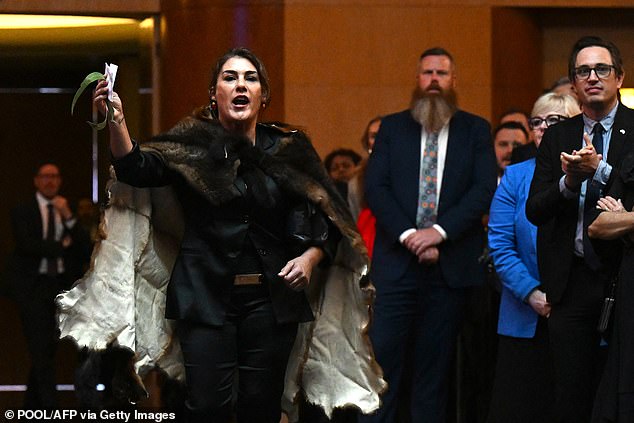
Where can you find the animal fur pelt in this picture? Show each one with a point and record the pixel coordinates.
(112, 369)
(208, 158)
(332, 364)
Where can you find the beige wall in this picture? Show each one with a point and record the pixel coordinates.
(346, 63)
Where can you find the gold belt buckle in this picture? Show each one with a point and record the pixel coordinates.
(248, 279)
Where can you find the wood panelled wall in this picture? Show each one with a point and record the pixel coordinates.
(346, 64)
(560, 29)
(197, 32)
(333, 65)
(516, 67)
(336, 64)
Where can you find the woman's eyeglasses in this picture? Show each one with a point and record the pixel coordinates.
(536, 122)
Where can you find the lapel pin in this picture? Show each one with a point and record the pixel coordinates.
(622, 131)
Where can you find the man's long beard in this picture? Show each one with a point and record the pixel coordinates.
(433, 110)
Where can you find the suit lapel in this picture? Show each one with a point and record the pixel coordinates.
(407, 149)
(453, 160)
(621, 131)
(411, 149)
(575, 139)
(264, 140)
(34, 209)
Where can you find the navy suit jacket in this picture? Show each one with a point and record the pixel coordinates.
(468, 184)
(556, 216)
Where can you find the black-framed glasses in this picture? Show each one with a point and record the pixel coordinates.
(536, 121)
(601, 70)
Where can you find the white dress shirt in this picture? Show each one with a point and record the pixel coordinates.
(443, 137)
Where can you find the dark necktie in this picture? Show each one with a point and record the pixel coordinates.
(51, 262)
(593, 193)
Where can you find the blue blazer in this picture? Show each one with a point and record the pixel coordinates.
(468, 184)
(512, 244)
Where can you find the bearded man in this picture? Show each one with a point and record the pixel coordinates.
(430, 178)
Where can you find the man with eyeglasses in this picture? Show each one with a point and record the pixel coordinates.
(50, 252)
(576, 162)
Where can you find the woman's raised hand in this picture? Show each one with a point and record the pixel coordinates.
(120, 142)
(99, 97)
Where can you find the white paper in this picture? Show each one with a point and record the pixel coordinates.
(111, 75)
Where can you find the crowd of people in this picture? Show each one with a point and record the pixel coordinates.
(557, 280)
(268, 288)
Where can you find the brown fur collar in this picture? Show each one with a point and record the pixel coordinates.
(208, 158)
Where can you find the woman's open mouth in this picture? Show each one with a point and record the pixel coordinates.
(241, 100)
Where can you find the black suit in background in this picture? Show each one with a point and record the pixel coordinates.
(423, 304)
(615, 396)
(523, 153)
(34, 294)
(572, 287)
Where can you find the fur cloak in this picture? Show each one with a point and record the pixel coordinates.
(121, 299)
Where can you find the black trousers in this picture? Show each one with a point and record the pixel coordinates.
(252, 347)
(37, 312)
(477, 349)
(575, 344)
(523, 390)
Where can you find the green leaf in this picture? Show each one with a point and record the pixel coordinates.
(95, 76)
(109, 115)
(98, 125)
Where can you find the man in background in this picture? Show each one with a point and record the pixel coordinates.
(506, 137)
(430, 178)
(50, 252)
(577, 160)
(516, 115)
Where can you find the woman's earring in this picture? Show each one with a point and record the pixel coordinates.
(213, 108)
(263, 105)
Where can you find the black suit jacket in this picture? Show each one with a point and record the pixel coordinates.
(556, 216)
(523, 153)
(30, 248)
(468, 184)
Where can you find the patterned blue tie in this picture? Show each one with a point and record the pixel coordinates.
(426, 212)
